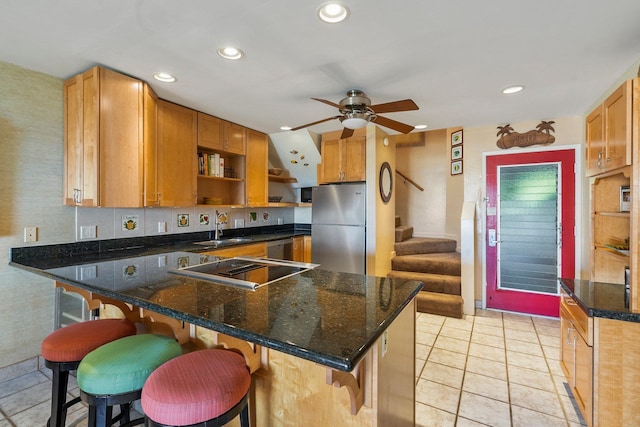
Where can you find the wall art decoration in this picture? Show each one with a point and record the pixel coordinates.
(456, 167)
(456, 137)
(456, 152)
(541, 135)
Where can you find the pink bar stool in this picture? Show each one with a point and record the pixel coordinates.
(205, 388)
(63, 350)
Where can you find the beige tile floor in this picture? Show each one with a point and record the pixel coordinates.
(491, 369)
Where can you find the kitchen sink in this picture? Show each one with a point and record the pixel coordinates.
(221, 242)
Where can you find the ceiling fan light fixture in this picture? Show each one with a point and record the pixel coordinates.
(420, 127)
(355, 120)
(333, 12)
(230, 52)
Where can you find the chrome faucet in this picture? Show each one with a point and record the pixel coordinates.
(217, 233)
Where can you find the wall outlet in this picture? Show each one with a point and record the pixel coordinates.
(239, 223)
(31, 234)
(162, 227)
(88, 231)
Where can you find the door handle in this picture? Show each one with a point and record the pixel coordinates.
(492, 237)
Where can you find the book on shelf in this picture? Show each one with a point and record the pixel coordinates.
(211, 165)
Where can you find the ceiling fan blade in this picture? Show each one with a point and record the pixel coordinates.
(390, 107)
(315, 123)
(333, 104)
(346, 133)
(392, 124)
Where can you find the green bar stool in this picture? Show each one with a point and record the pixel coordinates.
(63, 350)
(114, 374)
(206, 388)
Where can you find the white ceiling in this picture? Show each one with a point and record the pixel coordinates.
(452, 57)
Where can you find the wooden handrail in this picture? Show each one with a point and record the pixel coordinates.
(406, 178)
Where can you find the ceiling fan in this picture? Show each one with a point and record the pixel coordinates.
(356, 112)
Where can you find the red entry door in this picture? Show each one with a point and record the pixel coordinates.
(530, 229)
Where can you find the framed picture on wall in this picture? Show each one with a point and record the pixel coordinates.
(456, 167)
(456, 137)
(456, 152)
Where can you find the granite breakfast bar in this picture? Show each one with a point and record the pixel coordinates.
(324, 348)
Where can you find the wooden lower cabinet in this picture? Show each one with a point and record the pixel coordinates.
(254, 249)
(616, 373)
(576, 360)
(604, 378)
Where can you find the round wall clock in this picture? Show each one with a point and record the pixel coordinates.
(386, 182)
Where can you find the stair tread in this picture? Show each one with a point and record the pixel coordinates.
(447, 263)
(416, 245)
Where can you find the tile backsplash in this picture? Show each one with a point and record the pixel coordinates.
(117, 223)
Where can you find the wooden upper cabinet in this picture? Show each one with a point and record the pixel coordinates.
(177, 163)
(234, 138)
(219, 135)
(609, 132)
(343, 160)
(103, 139)
(617, 126)
(257, 165)
(210, 132)
(595, 141)
(151, 190)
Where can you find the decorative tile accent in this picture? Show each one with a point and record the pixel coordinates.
(183, 220)
(204, 219)
(130, 222)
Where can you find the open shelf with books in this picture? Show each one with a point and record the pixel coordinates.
(220, 177)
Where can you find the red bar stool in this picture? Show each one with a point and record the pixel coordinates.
(63, 350)
(205, 388)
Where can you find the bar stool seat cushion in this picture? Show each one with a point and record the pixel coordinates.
(123, 365)
(73, 342)
(195, 387)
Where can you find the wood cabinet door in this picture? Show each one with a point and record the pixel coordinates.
(595, 149)
(121, 140)
(583, 380)
(177, 160)
(330, 166)
(256, 170)
(353, 158)
(73, 152)
(234, 138)
(617, 127)
(298, 248)
(566, 346)
(151, 191)
(210, 133)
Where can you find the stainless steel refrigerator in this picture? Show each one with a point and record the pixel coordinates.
(338, 225)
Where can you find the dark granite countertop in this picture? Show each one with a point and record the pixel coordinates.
(599, 299)
(325, 317)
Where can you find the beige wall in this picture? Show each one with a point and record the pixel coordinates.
(30, 195)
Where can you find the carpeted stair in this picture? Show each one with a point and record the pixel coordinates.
(434, 262)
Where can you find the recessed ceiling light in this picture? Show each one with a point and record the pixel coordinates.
(229, 52)
(512, 89)
(164, 77)
(418, 127)
(333, 12)
(285, 127)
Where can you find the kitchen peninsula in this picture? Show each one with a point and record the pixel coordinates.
(325, 348)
